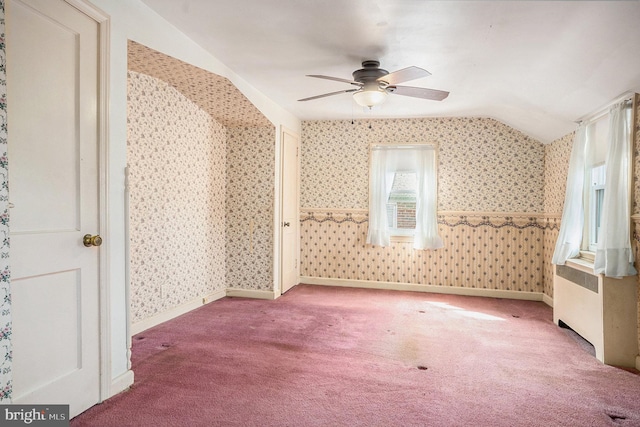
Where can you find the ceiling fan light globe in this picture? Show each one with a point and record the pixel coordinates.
(369, 98)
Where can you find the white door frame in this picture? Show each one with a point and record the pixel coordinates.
(102, 19)
(279, 212)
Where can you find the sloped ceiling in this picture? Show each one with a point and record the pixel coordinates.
(537, 66)
(227, 105)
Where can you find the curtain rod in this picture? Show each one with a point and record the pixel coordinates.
(403, 147)
(601, 112)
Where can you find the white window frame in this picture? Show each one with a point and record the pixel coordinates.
(400, 234)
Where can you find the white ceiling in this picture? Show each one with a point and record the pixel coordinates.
(535, 65)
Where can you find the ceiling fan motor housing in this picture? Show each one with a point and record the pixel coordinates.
(369, 73)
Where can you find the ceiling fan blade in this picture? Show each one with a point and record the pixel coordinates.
(328, 94)
(419, 92)
(404, 75)
(337, 79)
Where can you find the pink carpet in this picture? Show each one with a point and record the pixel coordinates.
(328, 356)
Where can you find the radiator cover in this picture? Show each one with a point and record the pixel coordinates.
(602, 310)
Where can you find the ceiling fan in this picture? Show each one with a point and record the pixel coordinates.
(374, 84)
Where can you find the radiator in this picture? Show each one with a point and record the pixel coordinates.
(603, 310)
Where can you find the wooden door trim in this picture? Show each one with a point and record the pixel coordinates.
(279, 217)
(103, 22)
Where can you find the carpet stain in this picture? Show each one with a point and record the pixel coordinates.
(422, 367)
(615, 417)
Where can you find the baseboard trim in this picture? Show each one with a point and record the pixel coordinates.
(454, 290)
(172, 313)
(250, 293)
(638, 362)
(547, 300)
(120, 384)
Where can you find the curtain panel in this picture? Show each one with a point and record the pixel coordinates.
(614, 256)
(571, 225)
(385, 161)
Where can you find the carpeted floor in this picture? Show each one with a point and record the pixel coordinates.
(329, 356)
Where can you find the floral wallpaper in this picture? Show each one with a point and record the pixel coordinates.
(5, 289)
(212, 93)
(202, 182)
(556, 165)
(249, 207)
(483, 166)
(504, 174)
(636, 153)
(177, 183)
(636, 192)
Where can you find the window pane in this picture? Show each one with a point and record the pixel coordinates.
(403, 199)
(392, 215)
(596, 198)
(598, 213)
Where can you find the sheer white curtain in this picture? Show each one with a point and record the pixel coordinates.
(380, 182)
(384, 163)
(426, 236)
(571, 225)
(614, 256)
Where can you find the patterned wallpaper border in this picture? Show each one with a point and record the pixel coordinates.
(449, 218)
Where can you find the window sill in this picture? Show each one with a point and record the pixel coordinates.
(402, 239)
(581, 264)
(588, 256)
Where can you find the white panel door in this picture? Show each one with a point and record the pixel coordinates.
(52, 91)
(290, 211)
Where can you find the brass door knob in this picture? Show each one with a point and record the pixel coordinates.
(88, 240)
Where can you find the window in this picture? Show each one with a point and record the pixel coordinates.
(401, 204)
(402, 195)
(596, 134)
(597, 205)
(596, 197)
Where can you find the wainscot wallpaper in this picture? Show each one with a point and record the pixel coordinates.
(480, 251)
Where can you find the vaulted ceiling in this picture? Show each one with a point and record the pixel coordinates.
(537, 66)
